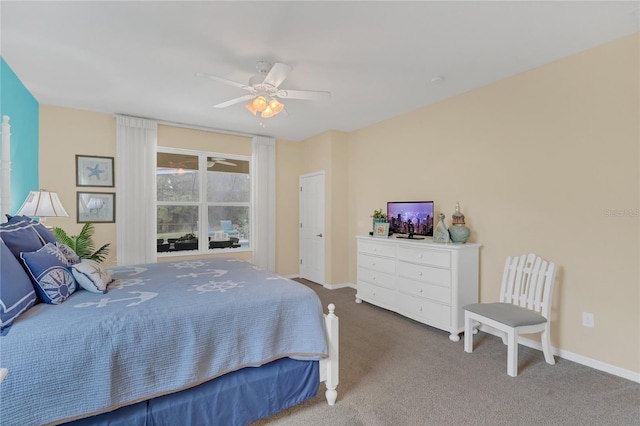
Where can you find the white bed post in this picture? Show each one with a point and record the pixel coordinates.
(329, 366)
(5, 201)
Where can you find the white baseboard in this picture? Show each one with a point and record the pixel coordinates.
(327, 286)
(580, 359)
(341, 285)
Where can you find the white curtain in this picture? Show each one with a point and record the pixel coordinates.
(137, 139)
(263, 176)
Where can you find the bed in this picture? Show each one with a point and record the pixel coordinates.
(209, 341)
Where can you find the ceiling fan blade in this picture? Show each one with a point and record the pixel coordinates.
(278, 73)
(233, 101)
(216, 160)
(303, 94)
(223, 80)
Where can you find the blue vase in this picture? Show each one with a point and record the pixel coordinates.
(458, 231)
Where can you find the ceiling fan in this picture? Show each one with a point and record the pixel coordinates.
(264, 91)
(212, 161)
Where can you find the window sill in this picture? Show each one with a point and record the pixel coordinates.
(182, 253)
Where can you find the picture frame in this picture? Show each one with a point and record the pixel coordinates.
(94, 170)
(96, 207)
(381, 230)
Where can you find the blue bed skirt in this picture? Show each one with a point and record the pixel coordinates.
(236, 398)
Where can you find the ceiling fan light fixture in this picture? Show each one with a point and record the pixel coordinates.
(260, 103)
(251, 108)
(267, 113)
(276, 106)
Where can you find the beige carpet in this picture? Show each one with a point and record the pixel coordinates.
(395, 371)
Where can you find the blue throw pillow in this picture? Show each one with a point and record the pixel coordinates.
(16, 291)
(42, 230)
(69, 254)
(20, 237)
(49, 271)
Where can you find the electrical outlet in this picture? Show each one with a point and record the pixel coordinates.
(588, 320)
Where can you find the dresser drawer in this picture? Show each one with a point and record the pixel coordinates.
(369, 247)
(381, 264)
(382, 296)
(424, 310)
(377, 278)
(425, 256)
(425, 274)
(424, 290)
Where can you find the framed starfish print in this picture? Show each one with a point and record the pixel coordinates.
(94, 171)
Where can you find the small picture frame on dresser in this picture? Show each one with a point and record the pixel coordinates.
(381, 230)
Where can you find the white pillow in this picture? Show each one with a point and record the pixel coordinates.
(91, 276)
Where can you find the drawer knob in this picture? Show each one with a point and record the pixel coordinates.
(420, 290)
(419, 274)
(373, 264)
(419, 256)
(373, 278)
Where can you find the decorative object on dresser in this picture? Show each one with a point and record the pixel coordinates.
(441, 234)
(458, 231)
(378, 216)
(381, 230)
(525, 307)
(422, 280)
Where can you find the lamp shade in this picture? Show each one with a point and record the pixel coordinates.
(42, 203)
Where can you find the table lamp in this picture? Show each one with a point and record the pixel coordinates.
(42, 204)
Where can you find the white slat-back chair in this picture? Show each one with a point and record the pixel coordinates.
(525, 307)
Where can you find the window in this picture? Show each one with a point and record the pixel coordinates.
(203, 201)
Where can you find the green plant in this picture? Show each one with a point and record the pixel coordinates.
(379, 214)
(82, 243)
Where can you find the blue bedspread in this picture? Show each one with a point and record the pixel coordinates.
(161, 328)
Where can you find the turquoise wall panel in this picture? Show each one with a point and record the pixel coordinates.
(24, 116)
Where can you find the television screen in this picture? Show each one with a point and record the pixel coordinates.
(410, 217)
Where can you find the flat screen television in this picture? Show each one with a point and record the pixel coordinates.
(411, 217)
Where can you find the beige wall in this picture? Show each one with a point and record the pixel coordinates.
(65, 132)
(326, 152)
(288, 170)
(202, 140)
(536, 161)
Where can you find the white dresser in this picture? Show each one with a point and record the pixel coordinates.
(425, 281)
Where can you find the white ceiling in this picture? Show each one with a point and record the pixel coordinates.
(377, 59)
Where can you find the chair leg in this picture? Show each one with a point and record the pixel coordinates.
(545, 339)
(512, 353)
(468, 333)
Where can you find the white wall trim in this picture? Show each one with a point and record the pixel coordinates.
(570, 356)
(339, 285)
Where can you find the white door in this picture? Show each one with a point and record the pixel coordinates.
(312, 234)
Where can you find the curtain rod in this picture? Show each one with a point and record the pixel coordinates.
(195, 127)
